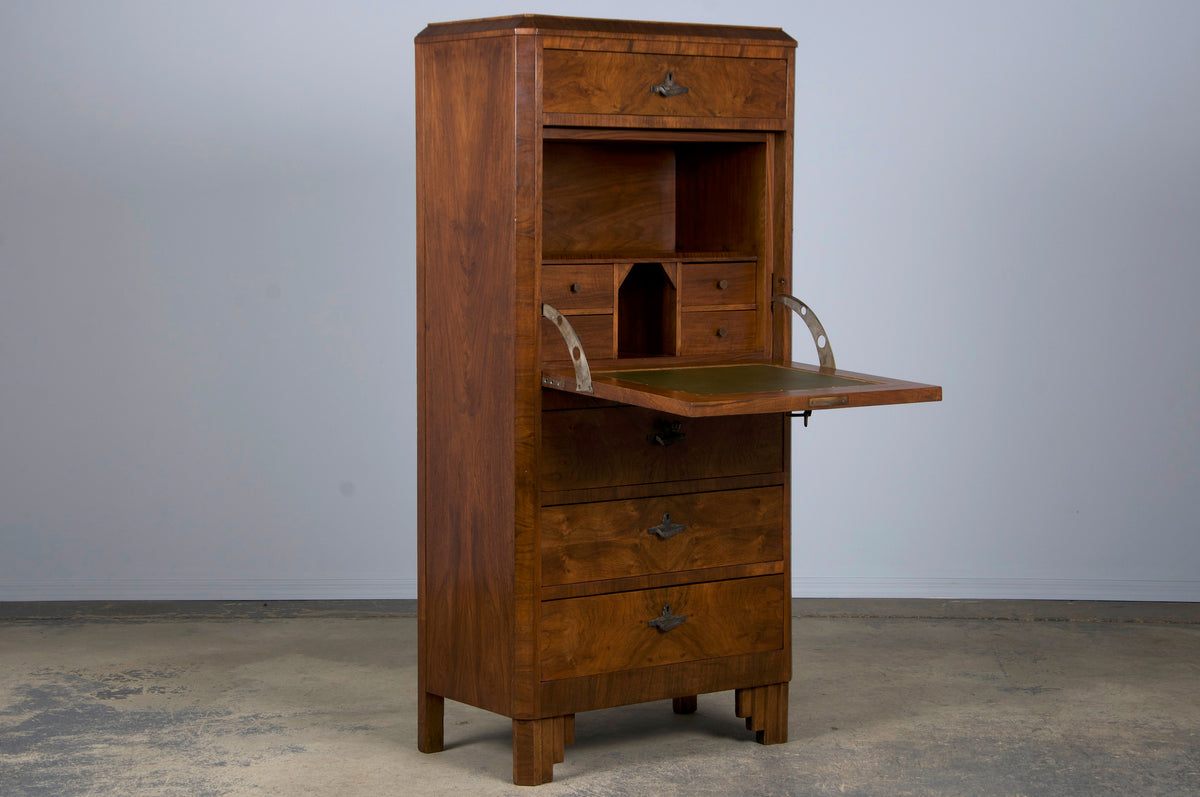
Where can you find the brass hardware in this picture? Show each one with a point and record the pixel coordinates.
(669, 88)
(576, 287)
(722, 284)
(666, 433)
(667, 621)
(667, 528)
(583, 374)
(722, 332)
(821, 402)
(824, 349)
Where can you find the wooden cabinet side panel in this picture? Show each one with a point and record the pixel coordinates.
(468, 354)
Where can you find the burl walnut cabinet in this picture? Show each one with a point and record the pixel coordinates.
(606, 387)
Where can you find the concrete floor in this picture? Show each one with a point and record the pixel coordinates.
(888, 698)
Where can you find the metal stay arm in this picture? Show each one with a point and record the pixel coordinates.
(583, 374)
(824, 349)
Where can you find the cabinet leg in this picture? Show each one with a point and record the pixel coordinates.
(684, 705)
(538, 746)
(430, 711)
(766, 711)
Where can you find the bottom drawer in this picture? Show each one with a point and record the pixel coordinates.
(608, 633)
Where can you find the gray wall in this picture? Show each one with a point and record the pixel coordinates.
(206, 295)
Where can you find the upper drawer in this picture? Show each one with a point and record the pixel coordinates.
(714, 284)
(578, 287)
(612, 83)
(613, 446)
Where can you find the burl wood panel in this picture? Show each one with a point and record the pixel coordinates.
(615, 83)
(468, 353)
(613, 446)
(606, 633)
(612, 539)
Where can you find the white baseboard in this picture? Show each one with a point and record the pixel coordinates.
(406, 588)
(998, 589)
(162, 589)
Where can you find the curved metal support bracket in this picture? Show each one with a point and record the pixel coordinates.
(824, 349)
(583, 374)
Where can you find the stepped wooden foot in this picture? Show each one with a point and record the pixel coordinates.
(766, 711)
(538, 746)
(430, 711)
(684, 705)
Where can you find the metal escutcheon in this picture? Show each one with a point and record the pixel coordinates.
(667, 528)
(667, 621)
(669, 88)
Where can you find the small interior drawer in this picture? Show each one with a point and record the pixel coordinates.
(578, 287)
(608, 633)
(711, 284)
(719, 332)
(613, 446)
(595, 82)
(618, 539)
(594, 331)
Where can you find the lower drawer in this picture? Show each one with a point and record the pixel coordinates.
(595, 333)
(618, 539)
(609, 633)
(719, 332)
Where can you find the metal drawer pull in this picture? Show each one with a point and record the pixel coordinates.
(666, 433)
(722, 284)
(576, 287)
(669, 88)
(667, 528)
(722, 332)
(668, 621)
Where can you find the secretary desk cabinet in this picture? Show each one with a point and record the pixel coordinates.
(605, 378)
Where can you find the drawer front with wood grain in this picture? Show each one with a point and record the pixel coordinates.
(648, 628)
(719, 332)
(586, 286)
(595, 333)
(621, 83)
(619, 539)
(715, 284)
(613, 446)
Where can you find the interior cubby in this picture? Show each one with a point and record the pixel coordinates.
(646, 312)
(643, 197)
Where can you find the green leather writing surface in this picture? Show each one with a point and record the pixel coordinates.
(733, 379)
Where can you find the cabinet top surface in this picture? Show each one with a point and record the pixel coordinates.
(608, 28)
